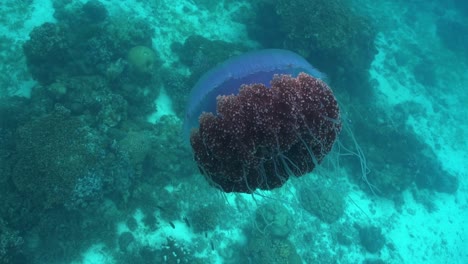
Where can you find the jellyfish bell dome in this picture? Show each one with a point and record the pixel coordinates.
(249, 68)
(259, 118)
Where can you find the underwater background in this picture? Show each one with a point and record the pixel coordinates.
(94, 168)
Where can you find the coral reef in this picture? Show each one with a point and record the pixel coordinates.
(59, 156)
(205, 218)
(371, 238)
(273, 219)
(344, 234)
(177, 86)
(408, 159)
(461, 6)
(138, 145)
(263, 249)
(84, 41)
(325, 203)
(328, 33)
(82, 62)
(170, 155)
(175, 252)
(199, 54)
(452, 34)
(47, 51)
(62, 235)
(88, 187)
(142, 58)
(53, 152)
(10, 244)
(127, 242)
(88, 96)
(95, 11)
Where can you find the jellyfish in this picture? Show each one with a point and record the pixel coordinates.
(260, 118)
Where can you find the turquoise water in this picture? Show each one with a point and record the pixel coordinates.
(94, 168)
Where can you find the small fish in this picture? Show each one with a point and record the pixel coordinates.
(186, 221)
(172, 224)
(212, 245)
(206, 235)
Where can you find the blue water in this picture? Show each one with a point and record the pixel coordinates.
(87, 175)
